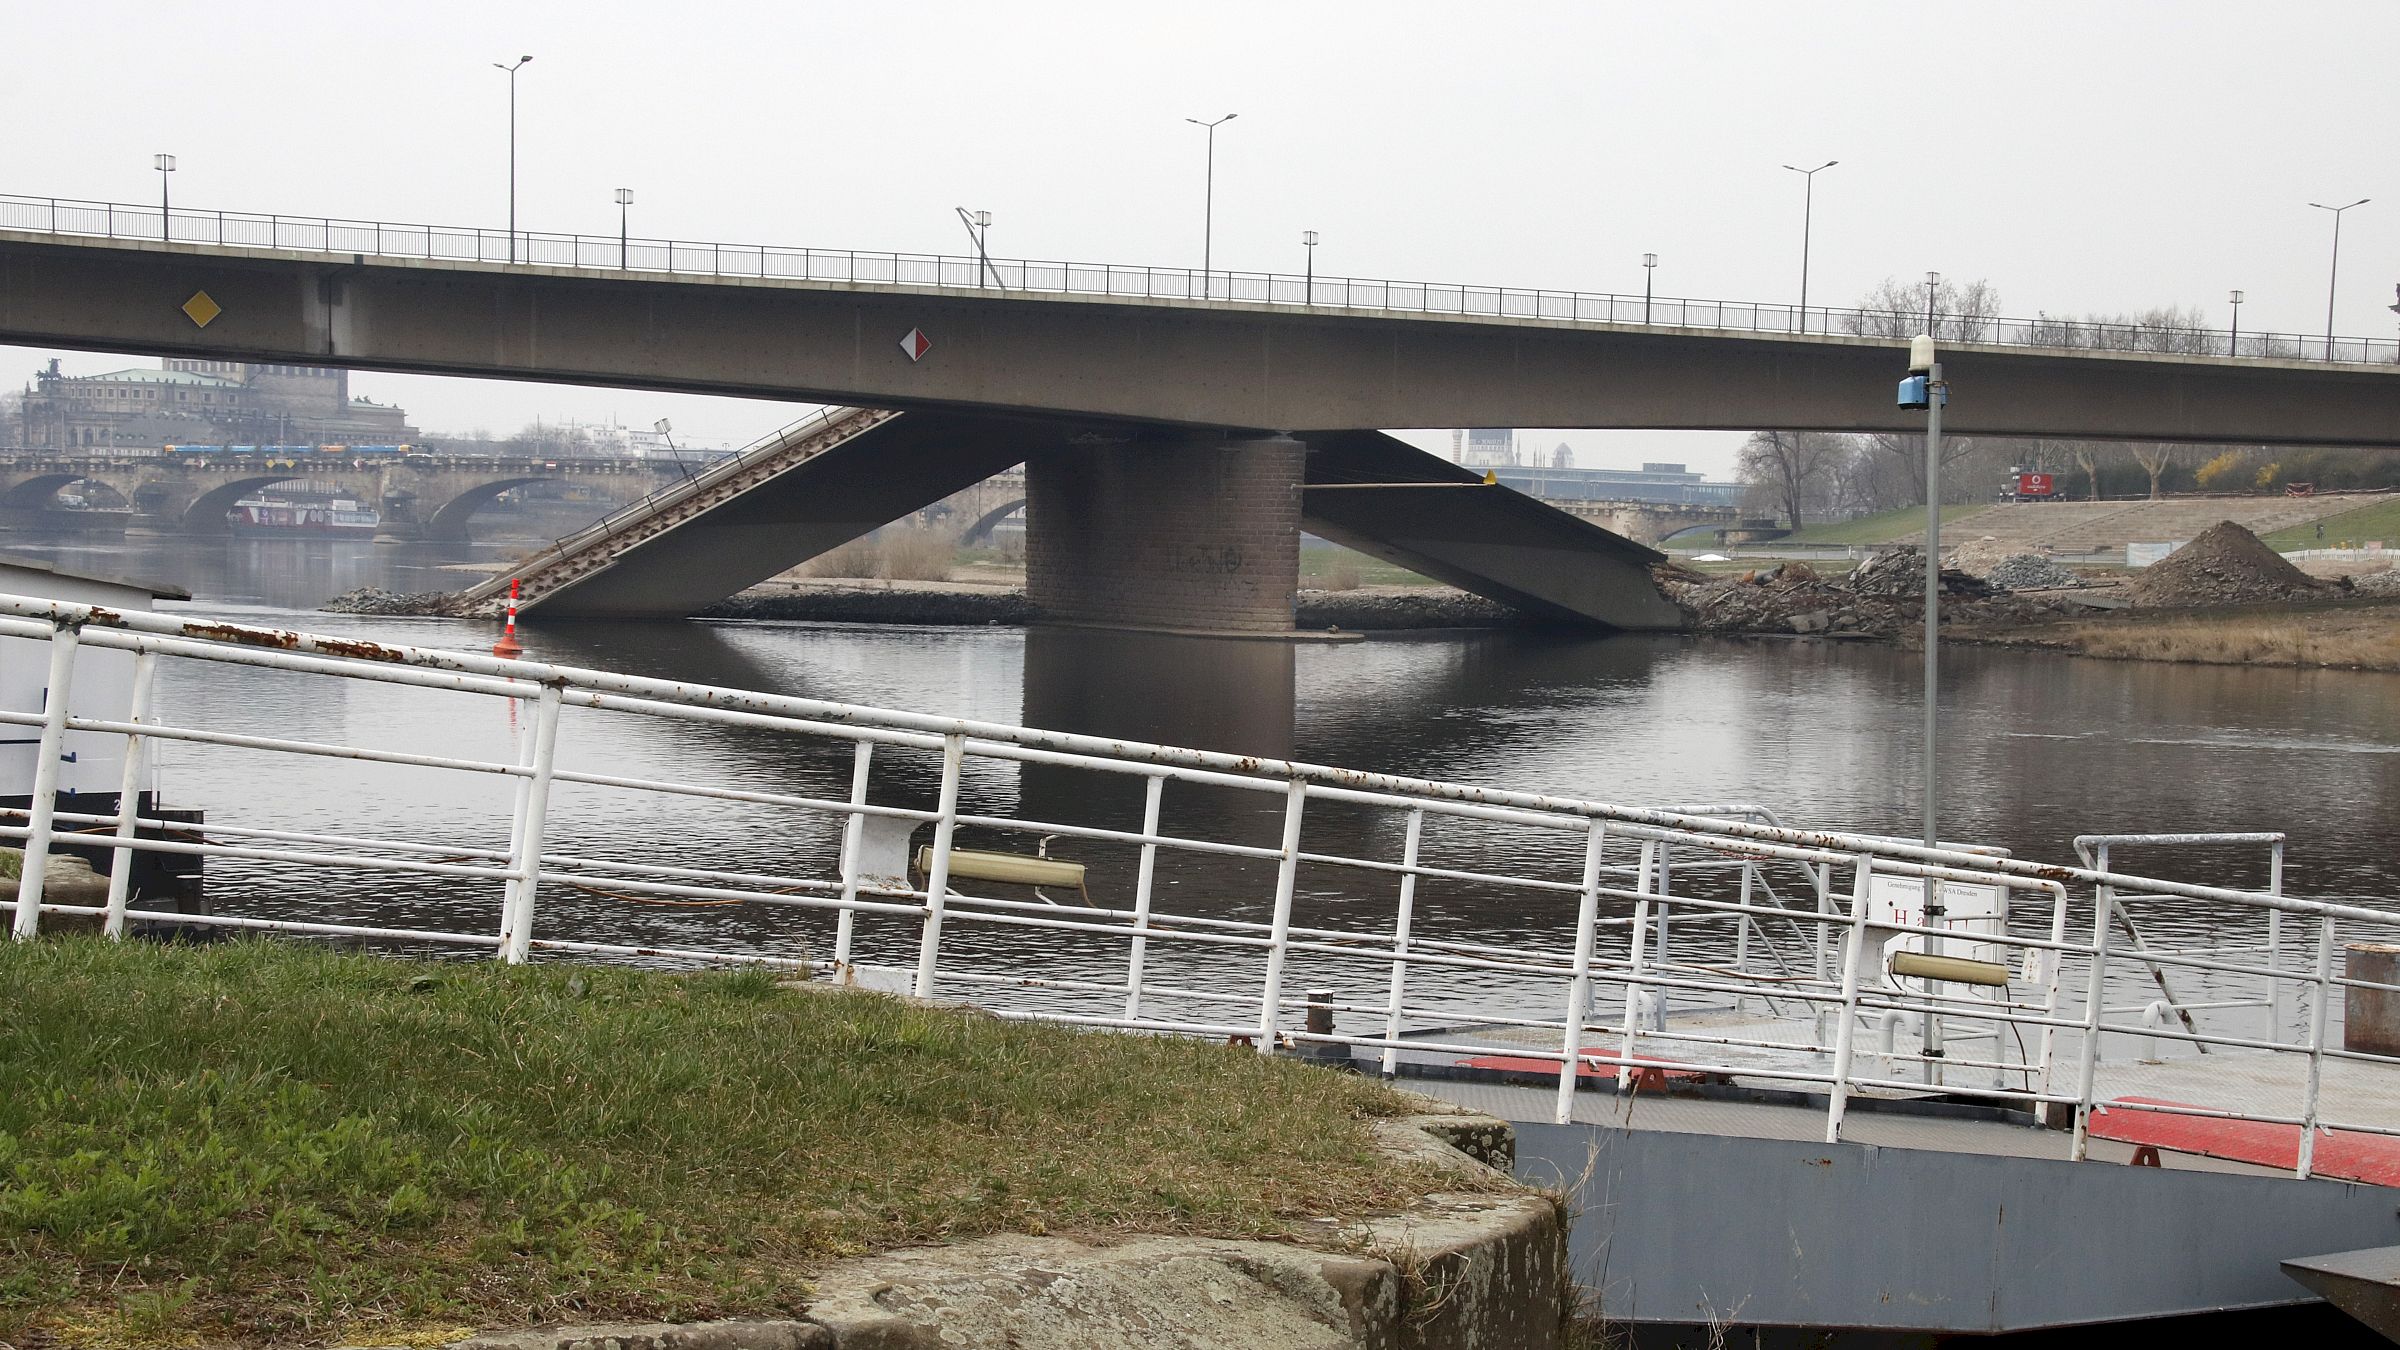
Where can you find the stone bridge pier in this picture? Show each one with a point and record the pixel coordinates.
(420, 497)
(1167, 531)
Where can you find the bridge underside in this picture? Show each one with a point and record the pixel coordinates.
(1172, 530)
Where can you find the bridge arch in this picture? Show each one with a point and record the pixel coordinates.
(449, 520)
(39, 491)
(982, 528)
(206, 514)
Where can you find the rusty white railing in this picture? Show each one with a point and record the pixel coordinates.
(1014, 276)
(1711, 939)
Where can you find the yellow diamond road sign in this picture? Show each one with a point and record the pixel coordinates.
(200, 309)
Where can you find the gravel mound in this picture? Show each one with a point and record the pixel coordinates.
(1978, 556)
(2224, 565)
(2386, 582)
(2029, 572)
(375, 600)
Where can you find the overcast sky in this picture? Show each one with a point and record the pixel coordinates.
(2092, 155)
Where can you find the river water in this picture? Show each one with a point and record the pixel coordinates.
(2038, 748)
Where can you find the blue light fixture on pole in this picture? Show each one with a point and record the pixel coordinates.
(1208, 206)
(2334, 273)
(512, 150)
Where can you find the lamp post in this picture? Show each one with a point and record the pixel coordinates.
(1308, 240)
(1808, 204)
(1925, 388)
(2233, 344)
(624, 202)
(1649, 270)
(512, 150)
(1208, 206)
(2334, 273)
(979, 229)
(165, 164)
(1933, 286)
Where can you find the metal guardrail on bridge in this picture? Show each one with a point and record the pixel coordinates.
(1697, 940)
(870, 267)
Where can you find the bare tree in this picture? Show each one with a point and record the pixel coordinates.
(1791, 465)
(1896, 309)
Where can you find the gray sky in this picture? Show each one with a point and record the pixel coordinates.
(2080, 156)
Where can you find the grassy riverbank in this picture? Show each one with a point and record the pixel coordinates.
(270, 1143)
(2348, 637)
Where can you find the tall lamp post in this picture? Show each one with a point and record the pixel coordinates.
(512, 150)
(1808, 206)
(1649, 270)
(165, 164)
(1308, 240)
(2334, 273)
(1933, 287)
(2233, 344)
(1925, 388)
(1208, 206)
(624, 241)
(979, 231)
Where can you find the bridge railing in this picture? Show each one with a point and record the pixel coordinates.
(1149, 888)
(870, 267)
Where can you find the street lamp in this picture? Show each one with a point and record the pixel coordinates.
(2335, 272)
(512, 151)
(1808, 204)
(165, 164)
(1649, 270)
(624, 201)
(1208, 205)
(979, 229)
(2233, 345)
(1308, 240)
(1933, 286)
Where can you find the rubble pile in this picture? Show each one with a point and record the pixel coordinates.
(1978, 556)
(376, 600)
(2224, 565)
(1883, 597)
(2029, 572)
(2385, 582)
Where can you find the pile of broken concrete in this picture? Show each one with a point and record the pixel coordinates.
(1883, 597)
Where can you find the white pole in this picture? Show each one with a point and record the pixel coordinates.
(44, 806)
(129, 791)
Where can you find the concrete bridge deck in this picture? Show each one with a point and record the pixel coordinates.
(1266, 364)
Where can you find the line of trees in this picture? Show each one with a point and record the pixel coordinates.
(1804, 476)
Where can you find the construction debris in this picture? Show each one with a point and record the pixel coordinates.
(2224, 565)
(2029, 572)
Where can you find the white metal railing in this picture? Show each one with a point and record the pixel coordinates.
(1710, 939)
(866, 267)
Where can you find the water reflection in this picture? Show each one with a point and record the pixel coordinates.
(2037, 749)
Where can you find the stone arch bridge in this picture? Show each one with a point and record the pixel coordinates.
(420, 496)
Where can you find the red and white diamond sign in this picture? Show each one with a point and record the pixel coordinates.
(916, 344)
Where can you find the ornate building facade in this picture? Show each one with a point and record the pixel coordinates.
(199, 402)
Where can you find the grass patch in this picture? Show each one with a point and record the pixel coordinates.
(1879, 528)
(271, 1142)
(2380, 521)
(2354, 637)
(1335, 568)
